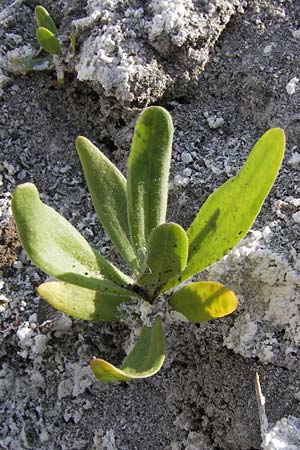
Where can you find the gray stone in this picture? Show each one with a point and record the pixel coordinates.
(137, 52)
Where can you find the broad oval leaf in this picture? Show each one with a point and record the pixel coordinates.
(204, 300)
(147, 174)
(108, 188)
(81, 303)
(57, 248)
(229, 212)
(48, 41)
(44, 20)
(143, 361)
(166, 257)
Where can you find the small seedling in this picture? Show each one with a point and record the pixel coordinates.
(47, 37)
(161, 255)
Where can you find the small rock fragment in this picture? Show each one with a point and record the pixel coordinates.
(268, 50)
(296, 34)
(284, 435)
(291, 87)
(215, 122)
(295, 159)
(186, 158)
(296, 217)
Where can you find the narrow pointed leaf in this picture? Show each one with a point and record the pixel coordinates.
(229, 212)
(203, 301)
(147, 174)
(43, 19)
(48, 41)
(143, 361)
(55, 246)
(81, 303)
(166, 256)
(107, 187)
(73, 43)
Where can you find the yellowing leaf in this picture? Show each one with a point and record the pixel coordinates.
(143, 361)
(81, 303)
(203, 301)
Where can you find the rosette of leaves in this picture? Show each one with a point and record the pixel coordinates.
(161, 255)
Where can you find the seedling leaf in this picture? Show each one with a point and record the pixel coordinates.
(147, 174)
(203, 301)
(81, 303)
(229, 212)
(55, 246)
(44, 19)
(29, 64)
(48, 41)
(143, 361)
(107, 187)
(166, 257)
(73, 43)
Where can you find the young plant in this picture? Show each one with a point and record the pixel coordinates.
(161, 255)
(46, 34)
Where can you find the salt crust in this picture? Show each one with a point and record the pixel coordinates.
(118, 53)
(268, 290)
(284, 435)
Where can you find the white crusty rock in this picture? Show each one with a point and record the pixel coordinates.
(137, 51)
(284, 435)
(269, 300)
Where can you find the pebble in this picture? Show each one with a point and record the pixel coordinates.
(292, 86)
(215, 122)
(180, 181)
(268, 50)
(186, 158)
(187, 172)
(23, 257)
(63, 324)
(296, 34)
(64, 389)
(296, 217)
(295, 159)
(17, 265)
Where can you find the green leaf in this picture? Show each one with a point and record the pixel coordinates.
(55, 246)
(147, 174)
(44, 20)
(203, 301)
(29, 64)
(108, 191)
(166, 256)
(143, 361)
(81, 303)
(48, 41)
(230, 211)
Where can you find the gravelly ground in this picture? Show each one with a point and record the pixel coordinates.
(204, 396)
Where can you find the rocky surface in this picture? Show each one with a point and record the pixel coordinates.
(138, 51)
(204, 397)
(284, 434)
